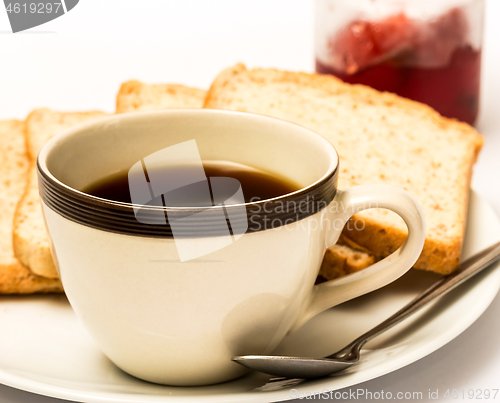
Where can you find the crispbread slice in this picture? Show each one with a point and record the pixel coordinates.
(31, 244)
(345, 258)
(137, 96)
(14, 277)
(380, 138)
(43, 124)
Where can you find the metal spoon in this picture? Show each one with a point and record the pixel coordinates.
(306, 367)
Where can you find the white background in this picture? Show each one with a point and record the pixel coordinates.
(77, 62)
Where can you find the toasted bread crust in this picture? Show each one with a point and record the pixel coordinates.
(286, 95)
(344, 258)
(334, 86)
(31, 244)
(14, 277)
(43, 124)
(17, 279)
(137, 96)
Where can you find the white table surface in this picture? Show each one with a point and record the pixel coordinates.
(77, 62)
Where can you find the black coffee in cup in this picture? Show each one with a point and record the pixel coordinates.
(256, 184)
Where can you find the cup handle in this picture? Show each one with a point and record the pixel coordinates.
(346, 203)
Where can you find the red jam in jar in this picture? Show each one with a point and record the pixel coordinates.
(427, 61)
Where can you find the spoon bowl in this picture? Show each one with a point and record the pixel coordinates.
(293, 367)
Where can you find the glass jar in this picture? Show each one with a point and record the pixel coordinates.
(426, 50)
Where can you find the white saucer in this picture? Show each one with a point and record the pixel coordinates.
(45, 350)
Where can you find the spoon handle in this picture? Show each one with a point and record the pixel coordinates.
(467, 269)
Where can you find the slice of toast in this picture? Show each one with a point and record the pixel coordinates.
(31, 244)
(380, 138)
(345, 258)
(14, 162)
(137, 96)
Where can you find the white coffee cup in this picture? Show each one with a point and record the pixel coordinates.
(179, 323)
